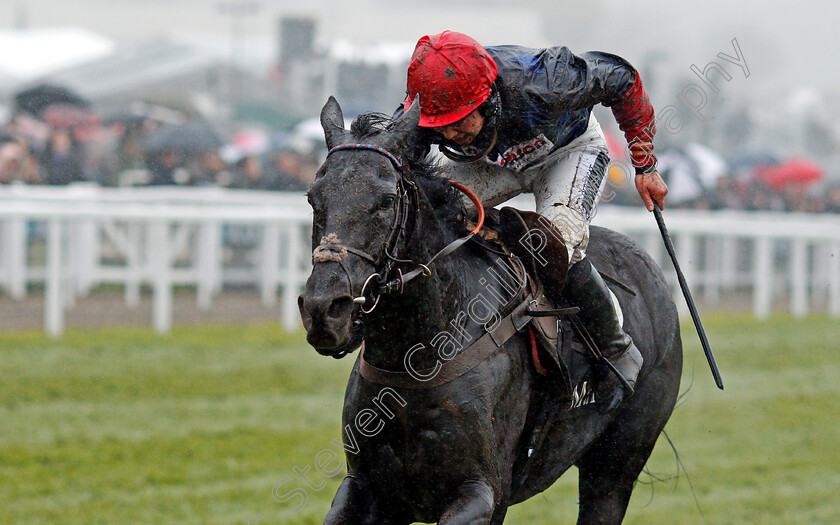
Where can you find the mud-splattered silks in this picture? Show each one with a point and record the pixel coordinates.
(566, 184)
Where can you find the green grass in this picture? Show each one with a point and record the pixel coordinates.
(122, 426)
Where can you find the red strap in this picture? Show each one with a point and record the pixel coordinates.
(635, 116)
(535, 356)
(474, 198)
(423, 269)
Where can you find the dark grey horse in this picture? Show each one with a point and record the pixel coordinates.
(447, 454)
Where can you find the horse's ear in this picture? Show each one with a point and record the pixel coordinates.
(333, 123)
(403, 127)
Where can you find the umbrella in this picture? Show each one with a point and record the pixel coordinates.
(126, 119)
(751, 158)
(709, 164)
(691, 171)
(251, 141)
(192, 137)
(38, 98)
(798, 172)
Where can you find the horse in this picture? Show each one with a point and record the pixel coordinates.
(391, 270)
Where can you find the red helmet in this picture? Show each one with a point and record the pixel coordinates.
(452, 73)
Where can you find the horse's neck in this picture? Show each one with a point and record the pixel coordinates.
(431, 310)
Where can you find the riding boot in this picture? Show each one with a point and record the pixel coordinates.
(586, 289)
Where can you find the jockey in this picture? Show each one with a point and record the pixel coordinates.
(518, 120)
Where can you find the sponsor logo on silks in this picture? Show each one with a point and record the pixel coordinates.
(519, 156)
(583, 396)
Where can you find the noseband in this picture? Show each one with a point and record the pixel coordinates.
(383, 276)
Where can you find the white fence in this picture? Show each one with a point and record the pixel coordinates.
(74, 238)
(160, 237)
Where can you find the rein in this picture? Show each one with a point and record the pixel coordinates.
(407, 190)
(466, 360)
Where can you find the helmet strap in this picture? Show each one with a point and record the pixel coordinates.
(490, 110)
(459, 156)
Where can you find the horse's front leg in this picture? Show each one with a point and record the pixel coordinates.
(348, 503)
(473, 505)
(356, 504)
(353, 505)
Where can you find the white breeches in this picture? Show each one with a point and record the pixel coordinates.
(566, 184)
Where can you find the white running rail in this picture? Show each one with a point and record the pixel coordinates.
(74, 238)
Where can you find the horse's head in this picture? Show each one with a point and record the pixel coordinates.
(360, 202)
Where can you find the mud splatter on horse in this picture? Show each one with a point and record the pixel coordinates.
(457, 452)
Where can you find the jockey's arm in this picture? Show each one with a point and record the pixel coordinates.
(612, 81)
(635, 117)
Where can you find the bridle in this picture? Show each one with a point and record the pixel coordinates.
(387, 278)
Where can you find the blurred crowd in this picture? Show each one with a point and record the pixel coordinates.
(54, 137)
(733, 192)
(116, 157)
(60, 142)
(753, 180)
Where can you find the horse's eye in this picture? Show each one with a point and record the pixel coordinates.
(387, 202)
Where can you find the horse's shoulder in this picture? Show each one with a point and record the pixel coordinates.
(616, 255)
(605, 238)
(612, 249)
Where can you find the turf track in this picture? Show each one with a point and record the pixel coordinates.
(122, 426)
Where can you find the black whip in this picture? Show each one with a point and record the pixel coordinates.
(695, 316)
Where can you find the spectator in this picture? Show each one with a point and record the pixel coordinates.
(248, 174)
(726, 194)
(288, 173)
(760, 197)
(17, 164)
(832, 199)
(9, 162)
(209, 169)
(62, 158)
(795, 197)
(166, 169)
(130, 150)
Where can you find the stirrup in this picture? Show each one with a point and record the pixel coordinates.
(626, 370)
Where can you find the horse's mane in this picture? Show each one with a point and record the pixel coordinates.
(444, 199)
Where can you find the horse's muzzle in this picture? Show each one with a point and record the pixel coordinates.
(327, 321)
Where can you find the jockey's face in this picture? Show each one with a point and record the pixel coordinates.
(464, 131)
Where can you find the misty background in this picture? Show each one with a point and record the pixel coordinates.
(139, 140)
(271, 64)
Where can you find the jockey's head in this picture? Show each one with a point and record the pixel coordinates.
(453, 75)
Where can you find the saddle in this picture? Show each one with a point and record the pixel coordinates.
(559, 353)
(563, 355)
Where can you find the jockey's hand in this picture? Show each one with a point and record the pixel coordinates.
(651, 188)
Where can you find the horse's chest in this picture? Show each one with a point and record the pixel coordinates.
(411, 442)
(426, 464)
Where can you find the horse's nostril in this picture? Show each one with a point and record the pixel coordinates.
(304, 313)
(340, 307)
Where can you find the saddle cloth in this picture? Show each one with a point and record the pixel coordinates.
(560, 353)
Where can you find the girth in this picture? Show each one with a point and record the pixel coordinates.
(467, 359)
